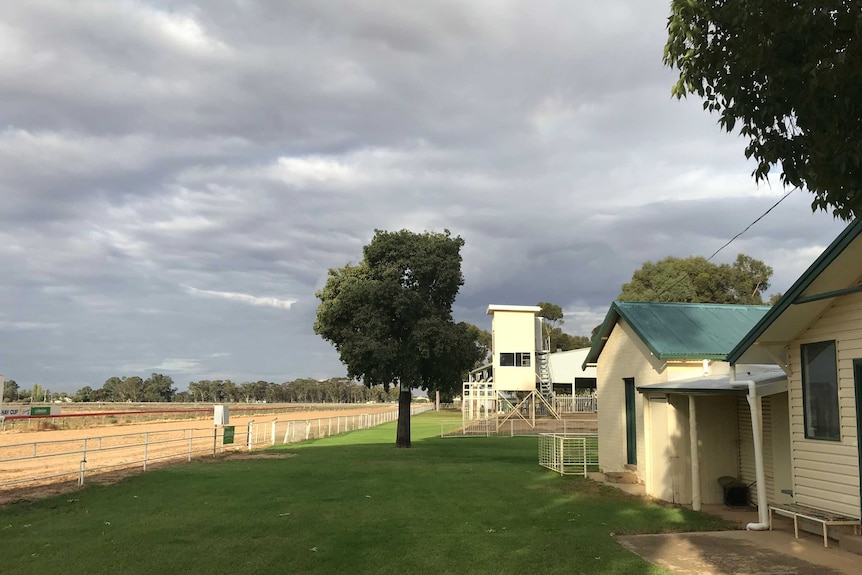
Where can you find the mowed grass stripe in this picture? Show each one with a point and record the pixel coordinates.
(346, 504)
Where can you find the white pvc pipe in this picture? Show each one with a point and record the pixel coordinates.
(695, 455)
(754, 404)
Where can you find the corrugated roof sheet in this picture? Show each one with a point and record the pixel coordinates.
(678, 330)
(682, 330)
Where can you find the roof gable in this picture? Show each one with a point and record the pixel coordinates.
(681, 330)
(836, 272)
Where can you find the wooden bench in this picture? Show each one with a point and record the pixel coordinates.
(825, 518)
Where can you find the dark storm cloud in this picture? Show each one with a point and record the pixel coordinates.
(176, 179)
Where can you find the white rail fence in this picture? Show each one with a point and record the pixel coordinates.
(576, 404)
(569, 454)
(41, 462)
(492, 426)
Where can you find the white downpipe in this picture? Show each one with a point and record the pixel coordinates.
(695, 455)
(754, 402)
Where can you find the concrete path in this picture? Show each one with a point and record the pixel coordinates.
(743, 553)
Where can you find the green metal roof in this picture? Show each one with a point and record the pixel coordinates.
(835, 272)
(681, 330)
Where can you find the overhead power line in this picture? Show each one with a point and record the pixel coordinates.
(748, 227)
(730, 241)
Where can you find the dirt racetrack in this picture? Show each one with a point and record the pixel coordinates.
(35, 464)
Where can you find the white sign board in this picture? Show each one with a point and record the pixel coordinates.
(221, 415)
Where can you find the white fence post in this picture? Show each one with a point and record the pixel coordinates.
(250, 429)
(307, 429)
(83, 465)
(146, 446)
(272, 439)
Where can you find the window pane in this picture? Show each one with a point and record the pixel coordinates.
(525, 359)
(507, 359)
(820, 391)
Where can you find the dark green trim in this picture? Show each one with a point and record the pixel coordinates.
(857, 387)
(827, 295)
(631, 421)
(602, 336)
(840, 243)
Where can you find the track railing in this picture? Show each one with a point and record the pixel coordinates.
(43, 462)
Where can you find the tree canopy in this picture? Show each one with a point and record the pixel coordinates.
(697, 280)
(390, 316)
(789, 74)
(553, 332)
(10, 390)
(482, 339)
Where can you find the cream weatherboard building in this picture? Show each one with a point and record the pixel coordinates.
(668, 411)
(814, 332)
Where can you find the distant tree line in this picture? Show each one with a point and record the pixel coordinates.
(160, 388)
(304, 390)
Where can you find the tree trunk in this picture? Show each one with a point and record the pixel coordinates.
(402, 438)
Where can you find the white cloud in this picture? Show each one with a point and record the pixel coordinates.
(244, 298)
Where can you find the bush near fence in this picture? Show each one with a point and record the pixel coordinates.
(74, 460)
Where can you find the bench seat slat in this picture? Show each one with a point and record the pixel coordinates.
(823, 517)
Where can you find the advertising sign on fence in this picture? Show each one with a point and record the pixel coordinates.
(26, 410)
(228, 435)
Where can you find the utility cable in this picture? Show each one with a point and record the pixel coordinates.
(728, 242)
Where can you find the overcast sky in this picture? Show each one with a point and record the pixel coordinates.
(177, 178)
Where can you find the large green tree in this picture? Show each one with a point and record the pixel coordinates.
(553, 332)
(789, 74)
(483, 342)
(697, 280)
(390, 316)
(10, 390)
(159, 387)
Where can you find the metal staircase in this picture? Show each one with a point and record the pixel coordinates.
(543, 373)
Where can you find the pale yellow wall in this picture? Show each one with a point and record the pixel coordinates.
(668, 471)
(514, 331)
(776, 446)
(826, 473)
(782, 470)
(664, 462)
(657, 479)
(625, 355)
(717, 441)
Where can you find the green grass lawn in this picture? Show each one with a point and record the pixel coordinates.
(346, 504)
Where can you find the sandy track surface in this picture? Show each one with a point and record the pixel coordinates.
(110, 452)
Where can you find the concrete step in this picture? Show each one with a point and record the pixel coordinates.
(850, 542)
(621, 477)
